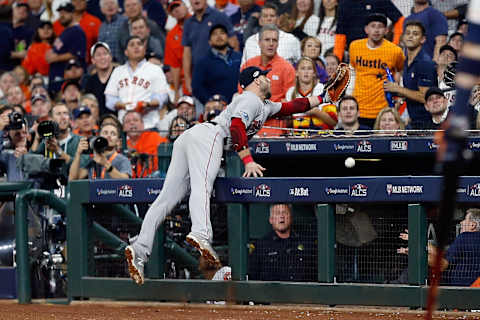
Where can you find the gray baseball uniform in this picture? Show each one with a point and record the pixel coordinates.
(195, 164)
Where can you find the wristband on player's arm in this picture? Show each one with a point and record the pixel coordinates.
(247, 159)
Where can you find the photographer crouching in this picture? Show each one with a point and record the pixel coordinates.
(104, 161)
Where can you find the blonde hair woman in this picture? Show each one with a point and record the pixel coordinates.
(388, 121)
(306, 81)
(306, 85)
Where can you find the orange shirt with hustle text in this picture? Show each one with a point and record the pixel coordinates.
(370, 73)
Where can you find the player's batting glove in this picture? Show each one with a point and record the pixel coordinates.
(337, 84)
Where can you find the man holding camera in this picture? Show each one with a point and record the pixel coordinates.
(17, 135)
(106, 162)
(62, 143)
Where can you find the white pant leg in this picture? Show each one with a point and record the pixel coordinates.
(204, 159)
(175, 187)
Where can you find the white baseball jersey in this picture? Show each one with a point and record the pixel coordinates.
(132, 86)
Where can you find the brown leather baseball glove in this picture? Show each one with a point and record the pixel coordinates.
(338, 83)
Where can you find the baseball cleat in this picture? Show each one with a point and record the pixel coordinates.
(135, 265)
(205, 249)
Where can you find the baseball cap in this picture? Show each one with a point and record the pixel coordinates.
(37, 97)
(77, 112)
(186, 99)
(217, 26)
(21, 4)
(377, 17)
(98, 45)
(449, 48)
(67, 6)
(172, 4)
(433, 90)
(217, 97)
(71, 82)
(249, 74)
(73, 63)
(43, 23)
(166, 68)
(151, 54)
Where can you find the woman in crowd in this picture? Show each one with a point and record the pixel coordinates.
(306, 23)
(35, 61)
(311, 47)
(388, 122)
(306, 81)
(306, 85)
(328, 24)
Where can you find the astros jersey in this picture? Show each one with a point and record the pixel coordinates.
(142, 84)
(370, 74)
(251, 109)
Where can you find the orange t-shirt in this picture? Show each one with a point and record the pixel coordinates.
(282, 75)
(35, 60)
(174, 52)
(148, 144)
(89, 24)
(370, 73)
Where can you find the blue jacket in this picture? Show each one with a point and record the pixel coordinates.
(216, 75)
(463, 258)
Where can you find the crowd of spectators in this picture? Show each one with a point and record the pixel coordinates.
(169, 65)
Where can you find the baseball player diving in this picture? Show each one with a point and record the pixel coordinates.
(197, 154)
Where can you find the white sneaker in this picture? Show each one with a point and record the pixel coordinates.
(135, 265)
(205, 249)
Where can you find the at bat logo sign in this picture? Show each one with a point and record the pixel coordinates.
(364, 146)
(125, 191)
(299, 192)
(358, 190)
(262, 191)
(262, 148)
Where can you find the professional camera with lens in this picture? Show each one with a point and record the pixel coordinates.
(16, 121)
(97, 144)
(47, 129)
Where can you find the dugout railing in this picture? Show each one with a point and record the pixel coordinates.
(86, 193)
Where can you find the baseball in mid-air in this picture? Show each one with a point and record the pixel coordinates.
(349, 162)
